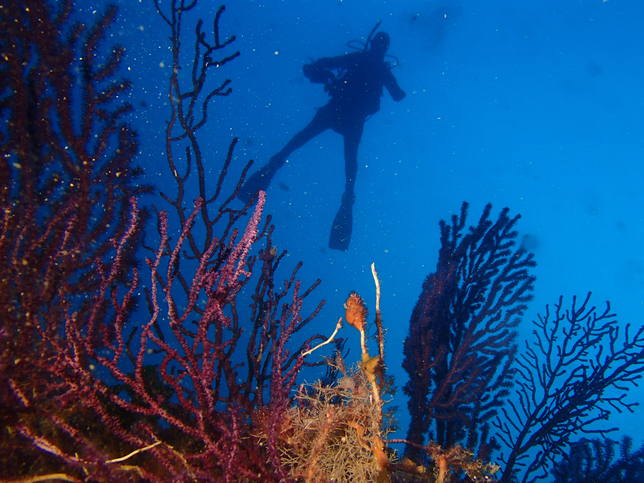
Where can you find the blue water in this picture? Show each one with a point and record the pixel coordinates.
(532, 105)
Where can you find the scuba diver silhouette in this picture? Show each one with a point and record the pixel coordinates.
(355, 83)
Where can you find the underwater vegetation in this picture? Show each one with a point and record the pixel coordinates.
(469, 384)
(139, 344)
(462, 331)
(595, 460)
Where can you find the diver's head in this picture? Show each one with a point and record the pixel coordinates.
(379, 43)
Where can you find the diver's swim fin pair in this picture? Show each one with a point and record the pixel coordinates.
(342, 224)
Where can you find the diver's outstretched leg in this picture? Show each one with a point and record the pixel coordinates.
(343, 222)
(262, 178)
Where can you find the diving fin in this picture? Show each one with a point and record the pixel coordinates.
(342, 225)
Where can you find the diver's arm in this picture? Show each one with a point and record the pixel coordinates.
(397, 94)
(320, 71)
(317, 74)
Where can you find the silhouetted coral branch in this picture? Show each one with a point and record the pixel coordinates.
(595, 460)
(462, 330)
(576, 370)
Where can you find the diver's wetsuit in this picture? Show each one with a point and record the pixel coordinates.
(355, 94)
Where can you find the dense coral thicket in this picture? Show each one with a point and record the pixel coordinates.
(590, 460)
(469, 385)
(462, 332)
(574, 372)
(67, 175)
(110, 370)
(67, 171)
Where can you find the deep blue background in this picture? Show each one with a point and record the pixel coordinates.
(534, 105)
